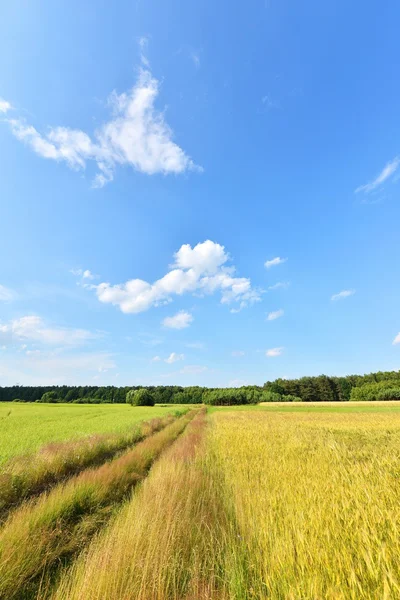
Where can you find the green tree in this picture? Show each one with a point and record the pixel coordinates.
(140, 397)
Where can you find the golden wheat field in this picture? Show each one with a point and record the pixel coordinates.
(237, 504)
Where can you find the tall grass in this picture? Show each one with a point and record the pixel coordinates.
(165, 543)
(277, 506)
(42, 533)
(315, 504)
(26, 427)
(26, 476)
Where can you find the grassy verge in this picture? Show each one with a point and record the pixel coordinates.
(26, 476)
(42, 533)
(167, 543)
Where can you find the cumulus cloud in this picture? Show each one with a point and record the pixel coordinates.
(389, 169)
(174, 357)
(201, 269)
(32, 328)
(6, 295)
(396, 339)
(136, 135)
(274, 352)
(273, 262)
(4, 106)
(275, 314)
(181, 320)
(343, 294)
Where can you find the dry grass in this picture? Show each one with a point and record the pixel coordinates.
(315, 502)
(28, 475)
(272, 506)
(164, 544)
(41, 533)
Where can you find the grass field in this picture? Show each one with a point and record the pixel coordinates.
(26, 427)
(271, 502)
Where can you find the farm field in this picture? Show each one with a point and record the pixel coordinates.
(239, 503)
(26, 427)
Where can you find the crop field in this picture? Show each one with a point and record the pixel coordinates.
(26, 427)
(233, 503)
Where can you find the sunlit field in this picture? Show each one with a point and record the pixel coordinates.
(27, 427)
(230, 504)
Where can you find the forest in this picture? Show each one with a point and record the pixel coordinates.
(383, 385)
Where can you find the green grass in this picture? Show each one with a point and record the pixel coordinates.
(26, 427)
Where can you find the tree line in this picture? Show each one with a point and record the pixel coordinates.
(306, 389)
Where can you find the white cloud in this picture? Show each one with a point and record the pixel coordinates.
(136, 135)
(84, 273)
(280, 285)
(181, 320)
(238, 353)
(396, 339)
(174, 357)
(200, 269)
(4, 106)
(274, 262)
(274, 352)
(155, 359)
(33, 328)
(389, 169)
(275, 314)
(6, 295)
(343, 294)
(193, 370)
(54, 368)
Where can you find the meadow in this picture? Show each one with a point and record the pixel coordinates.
(267, 502)
(26, 427)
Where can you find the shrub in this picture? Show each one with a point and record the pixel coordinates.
(48, 397)
(140, 397)
(269, 396)
(291, 398)
(384, 390)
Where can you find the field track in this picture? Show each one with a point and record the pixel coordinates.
(44, 533)
(31, 475)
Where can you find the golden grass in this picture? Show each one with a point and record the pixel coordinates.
(315, 500)
(29, 475)
(40, 533)
(277, 506)
(164, 544)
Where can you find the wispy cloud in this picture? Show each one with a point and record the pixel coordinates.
(383, 176)
(274, 352)
(33, 328)
(396, 339)
(275, 314)
(196, 59)
(174, 357)
(6, 295)
(181, 320)
(136, 135)
(4, 106)
(238, 353)
(200, 270)
(195, 345)
(281, 285)
(343, 294)
(273, 262)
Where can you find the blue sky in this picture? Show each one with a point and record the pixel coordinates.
(198, 193)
